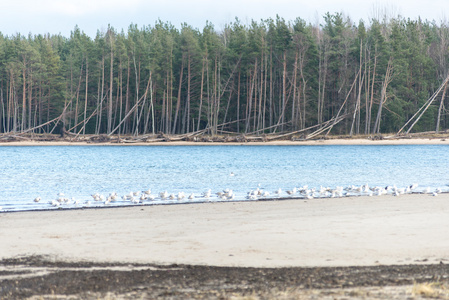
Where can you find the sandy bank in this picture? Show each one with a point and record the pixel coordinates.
(411, 141)
(328, 232)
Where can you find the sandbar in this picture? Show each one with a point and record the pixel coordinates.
(350, 231)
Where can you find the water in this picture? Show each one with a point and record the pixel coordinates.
(79, 171)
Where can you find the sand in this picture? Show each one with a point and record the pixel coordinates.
(320, 142)
(353, 231)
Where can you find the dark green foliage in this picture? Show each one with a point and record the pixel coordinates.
(264, 77)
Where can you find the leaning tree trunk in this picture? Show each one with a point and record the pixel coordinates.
(437, 129)
(383, 97)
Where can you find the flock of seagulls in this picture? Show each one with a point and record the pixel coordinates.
(304, 192)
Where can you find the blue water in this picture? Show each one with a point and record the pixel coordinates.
(80, 171)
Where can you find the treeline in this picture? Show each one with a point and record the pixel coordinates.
(271, 76)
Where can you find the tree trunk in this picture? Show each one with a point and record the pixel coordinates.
(372, 90)
(111, 85)
(437, 129)
(189, 79)
(178, 102)
(30, 99)
(201, 97)
(383, 97)
(284, 88)
(24, 102)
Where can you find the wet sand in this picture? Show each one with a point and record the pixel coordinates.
(346, 248)
(352, 231)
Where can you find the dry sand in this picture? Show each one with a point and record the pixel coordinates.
(348, 141)
(353, 231)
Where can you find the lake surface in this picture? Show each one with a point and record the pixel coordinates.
(80, 171)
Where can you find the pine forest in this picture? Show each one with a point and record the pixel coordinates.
(262, 78)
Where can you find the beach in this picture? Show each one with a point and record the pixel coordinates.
(393, 140)
(380, 247)
(362, 232)
(351, 231)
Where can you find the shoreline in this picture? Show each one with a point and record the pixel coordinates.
(317, 142)
(382, 247)
(351, 231)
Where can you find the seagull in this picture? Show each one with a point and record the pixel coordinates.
(207, 194)
(228, 193)
(366, 188)
(113, 196)
(252, 196)
(37, 199)
(163, 195)
(278, 192)
(323, 190)
(181, 195)
(401, 190)
(191, 196)
(413, 186)
(253, 193)
(293, 191)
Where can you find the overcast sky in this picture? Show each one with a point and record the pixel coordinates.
(61, 16)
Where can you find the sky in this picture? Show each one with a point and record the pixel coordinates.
(61, 16)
